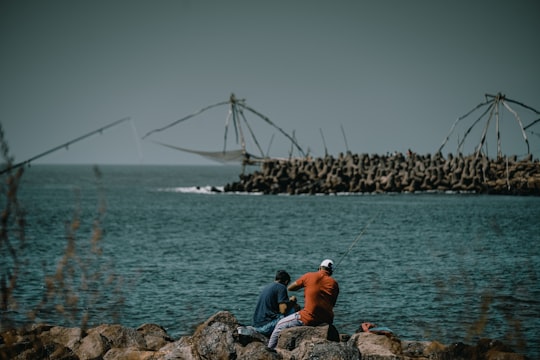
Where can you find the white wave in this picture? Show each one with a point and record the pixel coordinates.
(205, 190)
(195, 189)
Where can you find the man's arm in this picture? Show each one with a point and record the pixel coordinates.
(294, 286)
(283, 308)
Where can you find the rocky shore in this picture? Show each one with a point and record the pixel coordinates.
(396, 173)
(219, 338)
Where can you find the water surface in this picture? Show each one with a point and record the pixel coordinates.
(430, 266)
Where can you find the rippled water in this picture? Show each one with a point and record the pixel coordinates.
(430, 266)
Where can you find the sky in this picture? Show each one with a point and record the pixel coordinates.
(370, 77)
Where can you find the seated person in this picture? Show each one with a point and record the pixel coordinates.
(273, 304)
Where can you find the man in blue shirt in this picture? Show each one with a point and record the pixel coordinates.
(273, 304)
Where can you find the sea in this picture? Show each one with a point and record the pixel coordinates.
(136, 244)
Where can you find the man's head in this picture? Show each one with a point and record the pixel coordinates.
(283, 277)
(328, 266)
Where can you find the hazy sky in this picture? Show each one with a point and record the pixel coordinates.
(393, 74)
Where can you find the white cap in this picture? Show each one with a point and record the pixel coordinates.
(328, 264)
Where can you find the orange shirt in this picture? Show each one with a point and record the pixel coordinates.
(320, 296)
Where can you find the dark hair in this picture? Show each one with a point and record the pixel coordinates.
(282, 276)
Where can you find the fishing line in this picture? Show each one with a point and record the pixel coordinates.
(356, 239)
(137, 141)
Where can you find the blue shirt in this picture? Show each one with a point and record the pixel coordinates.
(267, 308)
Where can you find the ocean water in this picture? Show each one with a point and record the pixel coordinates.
(446, 267)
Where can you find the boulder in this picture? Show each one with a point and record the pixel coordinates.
(155, 336)
(93, 346)
(496, 350)
(376, 347)
(324, 350)
(181, 349)
(422, 349)
(256, 350)
(67, 337)
(120, 336)
(128, 353)
(290, 338)
(214, 338)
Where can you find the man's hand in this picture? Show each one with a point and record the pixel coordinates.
(293, 303)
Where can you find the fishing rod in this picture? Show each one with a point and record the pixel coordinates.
(65, 145)
(355, 241)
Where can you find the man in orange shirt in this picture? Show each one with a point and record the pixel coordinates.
(320, 295)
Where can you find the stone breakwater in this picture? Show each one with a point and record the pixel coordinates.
(398, 173)
(219, 338)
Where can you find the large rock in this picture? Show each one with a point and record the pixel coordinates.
(67, 337)
(155, 336)
(120, 336)
(324, 349)
(422, 349)
(376, 347)
(181, 349)
(128, 353)
(92, 346)
(214, 338)
(290, 338)
(256, 350)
